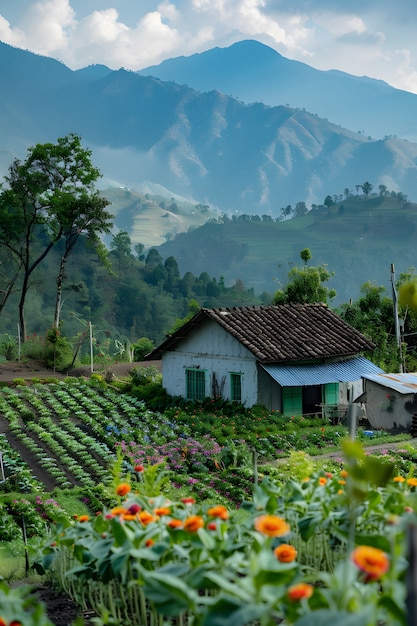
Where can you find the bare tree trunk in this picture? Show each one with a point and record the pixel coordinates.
(59, 283)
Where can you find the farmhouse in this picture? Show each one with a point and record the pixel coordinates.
(390, 400)
(297, 359)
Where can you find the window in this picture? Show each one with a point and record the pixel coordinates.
(195, 384)
(236, 387)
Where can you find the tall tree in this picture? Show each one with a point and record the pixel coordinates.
(305, 284)
(48, 196)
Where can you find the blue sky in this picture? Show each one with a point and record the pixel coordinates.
(361, 37)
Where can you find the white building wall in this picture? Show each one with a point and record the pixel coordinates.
(388, 413)
(215, 351)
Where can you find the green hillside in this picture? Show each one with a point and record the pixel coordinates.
(357, 238)
(153, 219)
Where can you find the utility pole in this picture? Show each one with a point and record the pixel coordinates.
(396, 319)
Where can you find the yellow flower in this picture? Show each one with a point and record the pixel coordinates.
(344, 474)
(412, 482)
(122, 489)
(342, 482)
(398, 479)
(372, 561)
(300, 591)
(271, 525)
(285, 553)
(83, 518)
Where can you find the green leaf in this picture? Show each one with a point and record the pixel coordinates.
(307, 526)
(207, 540)
(326, 617)
(170, 594)
(353, 450)
(228, 611)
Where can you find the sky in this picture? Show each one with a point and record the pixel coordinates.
(375, 38)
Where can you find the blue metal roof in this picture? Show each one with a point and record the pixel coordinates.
(403, 383)
(322, 373)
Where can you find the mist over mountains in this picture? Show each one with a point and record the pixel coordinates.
(198, 142)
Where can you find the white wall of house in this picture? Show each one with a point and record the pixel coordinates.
(213, 350)
(386, 412)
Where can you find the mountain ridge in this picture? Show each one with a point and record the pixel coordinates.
(204, 146)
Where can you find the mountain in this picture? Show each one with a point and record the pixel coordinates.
(206, 147)
(254, 72)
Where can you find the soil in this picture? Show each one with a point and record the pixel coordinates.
(10, 370)
(61, 610)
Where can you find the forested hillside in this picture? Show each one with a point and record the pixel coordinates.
(136, 296)
(356, 236)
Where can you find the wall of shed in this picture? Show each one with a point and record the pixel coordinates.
(216, 352)
(269, 392)
(386, 413)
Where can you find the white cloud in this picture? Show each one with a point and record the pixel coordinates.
(362, 38)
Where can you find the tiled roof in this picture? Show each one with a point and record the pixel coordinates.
(284, 333)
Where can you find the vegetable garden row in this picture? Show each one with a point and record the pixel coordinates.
(186, 528)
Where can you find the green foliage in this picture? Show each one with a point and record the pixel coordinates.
(305, 284)
(373, 315)
(153, 480)
(21, 606)
(141, 348)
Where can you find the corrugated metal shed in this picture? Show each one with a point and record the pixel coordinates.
(322, 373)
(403, 383)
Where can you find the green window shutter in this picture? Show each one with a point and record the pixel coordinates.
(195, 384)
(235, 387)
(331, 393)
(292, 400)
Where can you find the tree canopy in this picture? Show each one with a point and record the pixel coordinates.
(49, 198)
(305, 284)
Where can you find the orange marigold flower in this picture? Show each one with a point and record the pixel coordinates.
(285, 553)
(322, 480)
(129, 517)
(398, 479)
(412, 482)
(146, 518)
(340, 491)
(188, 500)
(162, 510)
(344, 474)
(218, 511)
(299, 592)
(149, 542)
(193, 523)
(83, 518)
(119, 510)
(212, 526)
(271, 525)
(122, 489)
(372, 561)
(342, 482)
(174, 523)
